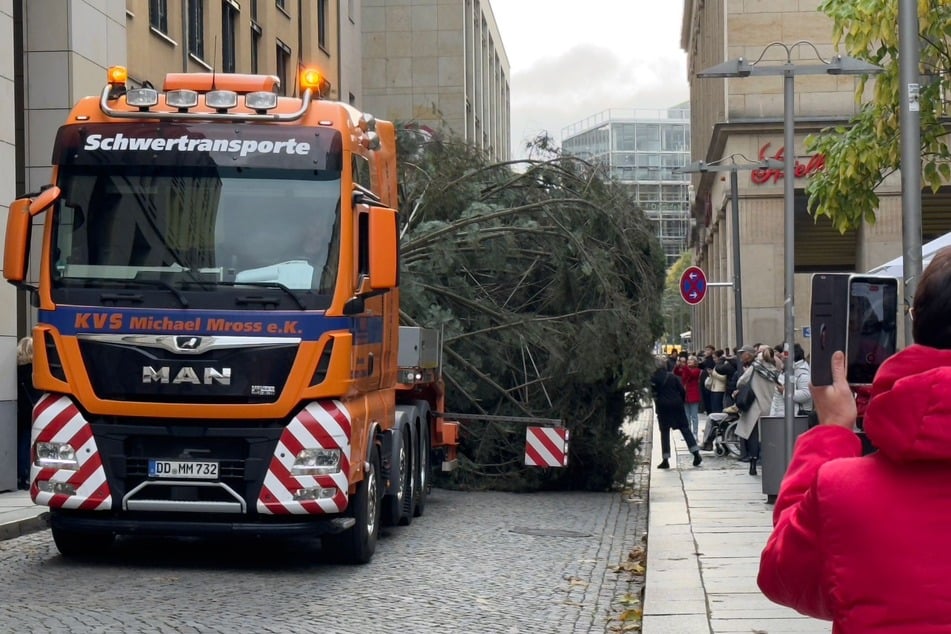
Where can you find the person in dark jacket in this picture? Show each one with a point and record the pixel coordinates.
(26, 399)
(669, 397)
(726, 366)
(707, 363)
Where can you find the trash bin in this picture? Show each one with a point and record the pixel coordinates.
(772, 431)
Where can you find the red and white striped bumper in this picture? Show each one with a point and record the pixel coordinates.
(324, 424)
(56, 419)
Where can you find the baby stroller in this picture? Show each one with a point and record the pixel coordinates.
(721, 435)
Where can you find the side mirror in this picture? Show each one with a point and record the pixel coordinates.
(383, 248)
(16, 249)
(44, 200)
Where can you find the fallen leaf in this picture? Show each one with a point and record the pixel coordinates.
(630, 615)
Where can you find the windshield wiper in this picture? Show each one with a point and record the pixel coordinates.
(259, 300)
(161, 284)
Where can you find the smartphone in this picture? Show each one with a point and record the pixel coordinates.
(857, 314)
(829, 320)
(873, 325)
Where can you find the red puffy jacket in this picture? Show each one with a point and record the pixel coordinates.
(690, 377)
(864, 541)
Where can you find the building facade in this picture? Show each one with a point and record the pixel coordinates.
(441, 65)
(273, 37)
(741, 120)
(642, 149)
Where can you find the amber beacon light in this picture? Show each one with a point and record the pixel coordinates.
(310, 78)
(117, 75)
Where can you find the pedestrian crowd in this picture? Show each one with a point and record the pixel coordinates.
(746, 386)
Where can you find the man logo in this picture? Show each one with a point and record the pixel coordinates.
(207, 376)
(187, 343)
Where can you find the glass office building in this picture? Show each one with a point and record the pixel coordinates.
(641, 149)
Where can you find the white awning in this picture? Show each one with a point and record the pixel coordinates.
(895, 268)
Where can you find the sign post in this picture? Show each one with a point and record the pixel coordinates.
(693, 285)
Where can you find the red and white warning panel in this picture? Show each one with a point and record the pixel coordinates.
(546, 446)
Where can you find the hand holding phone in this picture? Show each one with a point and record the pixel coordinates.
(855, 314)
(835, 404)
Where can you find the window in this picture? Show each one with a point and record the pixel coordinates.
(254, 10)
(676, 138)
(648, 136)
(229, 21)
(283, 62)
(196, 28)
(624, 136)
(361, 171)
(158, 15)
(282, 5)
(322, 24)
(350, 11)
(255, 46)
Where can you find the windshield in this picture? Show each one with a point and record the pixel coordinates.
(184, 225)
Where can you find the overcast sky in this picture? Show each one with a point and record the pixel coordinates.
(572, 59)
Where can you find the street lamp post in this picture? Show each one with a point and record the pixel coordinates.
(741, 67)
(908, 59)
(700, 167)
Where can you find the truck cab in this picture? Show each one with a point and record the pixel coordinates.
(217, 319)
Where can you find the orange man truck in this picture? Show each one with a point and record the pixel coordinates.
(217, 343)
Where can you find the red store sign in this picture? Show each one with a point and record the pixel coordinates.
(815, 163)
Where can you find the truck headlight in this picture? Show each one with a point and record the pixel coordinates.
(316, 461)
(56, 455)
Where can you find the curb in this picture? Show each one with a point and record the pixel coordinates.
(33, 523)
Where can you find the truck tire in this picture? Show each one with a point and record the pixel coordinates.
(409, 478)
(357, 544)
(423, 465)
(73, 544)
(398, 508)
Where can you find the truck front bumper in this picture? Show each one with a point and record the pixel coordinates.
(186, 525)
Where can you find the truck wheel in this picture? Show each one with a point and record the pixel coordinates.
(73, 544)
(357, 544)
(398, 508)
(423, 466)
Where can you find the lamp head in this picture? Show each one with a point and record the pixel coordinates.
(739, 67)
(846, 65)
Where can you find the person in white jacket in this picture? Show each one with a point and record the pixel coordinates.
(802, 397)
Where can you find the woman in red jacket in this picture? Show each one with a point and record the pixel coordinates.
(863, 541)
(688, 371)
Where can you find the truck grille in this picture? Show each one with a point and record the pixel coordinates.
(139, 373)
(242, 450)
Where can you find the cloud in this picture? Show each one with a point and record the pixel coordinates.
(584, 80)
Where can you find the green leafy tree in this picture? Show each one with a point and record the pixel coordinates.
(861, 155)
(676, 310)
(546, 282)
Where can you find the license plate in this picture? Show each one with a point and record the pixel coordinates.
(192, 469)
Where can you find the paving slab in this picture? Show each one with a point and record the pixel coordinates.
(707, 526)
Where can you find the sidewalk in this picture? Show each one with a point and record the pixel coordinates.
(19, 516)
(706, 529)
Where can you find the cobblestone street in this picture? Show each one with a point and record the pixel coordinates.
(475, 562)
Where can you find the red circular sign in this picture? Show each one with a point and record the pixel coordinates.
(693, 285)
